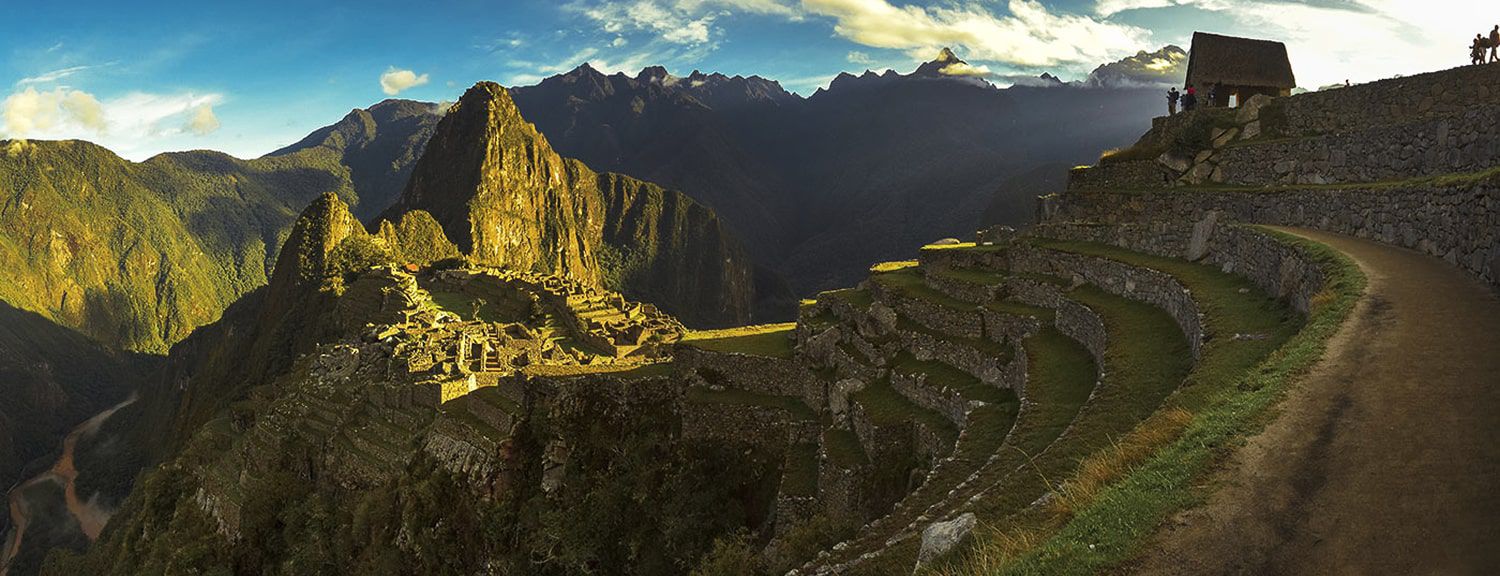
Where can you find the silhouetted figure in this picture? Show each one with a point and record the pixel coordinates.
(1190, 100)
(1172, 97)
(1213, 95)
(1476, 50)
(1495, 44)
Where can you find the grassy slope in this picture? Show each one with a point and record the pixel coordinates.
(770, 340)
(1106, 514)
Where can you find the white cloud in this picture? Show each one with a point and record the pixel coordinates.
(860, 58)
(203, 120)
(31, 112)
(1330, 41)
(666, 21)
(1030, 35)
(394, 81)
(132, 125)
(966, 69)
(53, 76)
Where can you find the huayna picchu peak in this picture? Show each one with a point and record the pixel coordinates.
(990, 314)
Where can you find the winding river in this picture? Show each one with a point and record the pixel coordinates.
(90, 517)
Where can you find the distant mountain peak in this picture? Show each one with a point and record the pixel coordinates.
(940, 67)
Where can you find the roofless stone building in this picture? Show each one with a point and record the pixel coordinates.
(1241, 67)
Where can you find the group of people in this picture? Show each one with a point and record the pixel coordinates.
(1189, 100)
(1476, 50)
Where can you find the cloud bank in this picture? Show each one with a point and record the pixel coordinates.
(132, 125)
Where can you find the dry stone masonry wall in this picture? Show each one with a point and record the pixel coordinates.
(1458, 223)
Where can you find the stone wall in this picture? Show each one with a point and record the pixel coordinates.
(919, 391)
(1387, 103)
(1279, 269)
(758, 374)
(963, 323)
(1466, 142)
(1460, 223)
(982, 365)
(1128, 175)
(1137, 283)
(983, 259)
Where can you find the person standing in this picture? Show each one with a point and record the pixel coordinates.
(1213, 95)
(1172, 97)
(1495, 44)
(1190, 100)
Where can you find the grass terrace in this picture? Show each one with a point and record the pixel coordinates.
(970, 276)
(1000, 350)
(910, 282)
(946, 376)
(768, 340)
(800, 478)
(1117, 497)
(844, 448)
(887, 407)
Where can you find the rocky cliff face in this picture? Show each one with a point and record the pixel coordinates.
(500, 193)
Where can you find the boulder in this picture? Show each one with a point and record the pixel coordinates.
(1251, 130)
(1250, 110)
(838, 396)
(1225, 137)
(939, 538)
(1202, 231)
(1174, 162)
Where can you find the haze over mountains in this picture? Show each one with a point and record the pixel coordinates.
(864, 171)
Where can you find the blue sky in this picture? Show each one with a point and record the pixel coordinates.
(248, 77)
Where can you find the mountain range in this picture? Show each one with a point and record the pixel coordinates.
(224, 265)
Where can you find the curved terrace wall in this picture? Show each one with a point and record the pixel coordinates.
(1144, 284)
(1459, 223)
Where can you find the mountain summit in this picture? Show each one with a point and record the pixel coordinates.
(499, 191)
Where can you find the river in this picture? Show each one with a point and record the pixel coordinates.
(90, 517)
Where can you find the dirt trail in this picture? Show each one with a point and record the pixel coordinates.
(1385, 459)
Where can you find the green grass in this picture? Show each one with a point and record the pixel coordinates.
(1233, 386)
(844, 448)
(856, 297)
(970, 276)
(770, 340)
(1014, 308)
(795, 408)
(1061, 375)
(911, 283)
(800, 478)
(1000, 350)
(893, 266)
(887, 407)
(947, 376)
(958, 246)
(1147, 358)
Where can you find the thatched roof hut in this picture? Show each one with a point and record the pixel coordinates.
(1239, 66)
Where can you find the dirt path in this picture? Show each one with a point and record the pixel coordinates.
(1385, 459)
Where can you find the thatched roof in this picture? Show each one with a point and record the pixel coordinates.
(1239, 62)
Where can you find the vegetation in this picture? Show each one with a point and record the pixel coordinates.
(1185, 139)
(794, 407)
(1118, 496)
(887, 407)
(770, 340)
(942, 375)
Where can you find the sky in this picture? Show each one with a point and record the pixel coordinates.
(248, 77)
